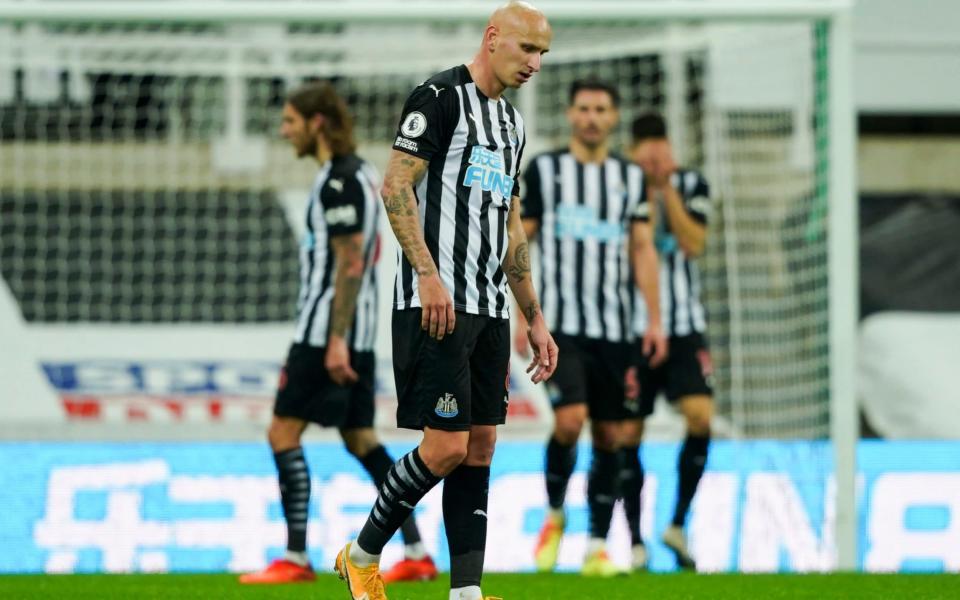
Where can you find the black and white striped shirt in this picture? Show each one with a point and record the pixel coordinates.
(473, 145)
(584, 212)
(344, 200)
(680, 286)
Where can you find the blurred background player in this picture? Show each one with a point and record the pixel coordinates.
(679, 204)
(582, 201)
(328, 377)
(451, 194)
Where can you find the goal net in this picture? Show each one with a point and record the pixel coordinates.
(142, 178)
(145, 192)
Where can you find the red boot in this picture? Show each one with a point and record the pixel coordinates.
(408, 569)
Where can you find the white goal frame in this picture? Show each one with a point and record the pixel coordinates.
(842, 222)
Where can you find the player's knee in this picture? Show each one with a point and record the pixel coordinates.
(606, 436)
(698, 422)
(446, 461)
(354, 448)
(284, 434)
(480, 447)
(481, 457)
(567, 427)
(632, 433)
(360, 442)
(607, 444)
(698, 425)
(698, 413)
(443, 456)
(568, 435)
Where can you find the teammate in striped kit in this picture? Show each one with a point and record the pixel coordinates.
(585, 202)
(451, 195)
(328, 378)
(679, 202)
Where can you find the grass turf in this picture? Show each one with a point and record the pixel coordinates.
(508, 586)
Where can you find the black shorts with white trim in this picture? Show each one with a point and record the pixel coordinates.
(455, 382)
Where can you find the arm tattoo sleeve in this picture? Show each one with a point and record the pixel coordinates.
(401, 206)
(346, 287)
(530, 310)
(519, 267)
(517, 263)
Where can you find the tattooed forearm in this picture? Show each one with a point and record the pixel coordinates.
(531, 310)
(519, 267)
(344, 304)
(517, 263)
(410, 238)
(522, 257)
(346, 286)
(403, 174)
(399, 202)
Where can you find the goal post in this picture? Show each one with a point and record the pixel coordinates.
(844, 277)
(155, 119)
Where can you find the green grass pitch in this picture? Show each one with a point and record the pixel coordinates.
(507, 586)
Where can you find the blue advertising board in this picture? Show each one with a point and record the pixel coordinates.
(762, 507)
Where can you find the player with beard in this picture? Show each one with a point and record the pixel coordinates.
(328, 378)
(585, 203)
(679, 201)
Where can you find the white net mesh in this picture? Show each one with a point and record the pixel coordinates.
(768, 254)
(141, 178)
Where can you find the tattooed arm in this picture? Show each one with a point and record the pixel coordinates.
(531, 228)
(517, 267)
(404, 172)
(348, 257)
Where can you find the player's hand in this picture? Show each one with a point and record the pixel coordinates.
(545, 351)
(661, 166)
(666, 165)
(659, 180)
(655, 345)
(337, 361)
(437, 317)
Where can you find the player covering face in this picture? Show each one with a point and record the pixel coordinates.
(451, 196)
(679, 201)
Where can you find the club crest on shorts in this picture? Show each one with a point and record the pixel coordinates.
(447, 406)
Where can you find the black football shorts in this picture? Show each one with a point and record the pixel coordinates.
(307, 392)
(453, 383)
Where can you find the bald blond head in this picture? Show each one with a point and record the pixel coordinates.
(514, 40)
(514, 12)
(516, 15)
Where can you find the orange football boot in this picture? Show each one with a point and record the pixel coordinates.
(364, 583)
